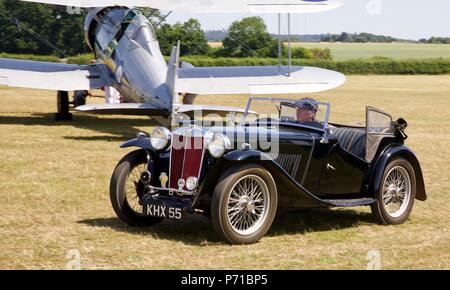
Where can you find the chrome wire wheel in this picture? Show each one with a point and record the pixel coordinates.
(248, 204)
(396, 191)
(134, 188)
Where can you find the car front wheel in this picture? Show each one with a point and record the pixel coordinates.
(126, 190)
(244, 204)
(395, 198)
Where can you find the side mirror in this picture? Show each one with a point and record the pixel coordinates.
(400, 126)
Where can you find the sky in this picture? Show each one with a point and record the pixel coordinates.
(408, 19)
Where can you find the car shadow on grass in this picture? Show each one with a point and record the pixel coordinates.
(198, 230)
(194, 230)
(318, 220)
(119, 129)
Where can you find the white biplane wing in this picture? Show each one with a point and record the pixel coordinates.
(136, 109)
(263, 80)
(48, 75)
(211, 6)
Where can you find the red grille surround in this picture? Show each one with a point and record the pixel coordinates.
(186, 157)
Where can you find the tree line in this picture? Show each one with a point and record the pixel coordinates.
(219, 35)
(359, 38)
(368, 37)
(436, 40)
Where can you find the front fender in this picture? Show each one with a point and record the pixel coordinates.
(391, 152)
(247, 155)
(154, 159)
(143, 143)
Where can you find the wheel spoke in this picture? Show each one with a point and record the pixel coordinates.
(132, 185)
(247, 204)
(396, 191)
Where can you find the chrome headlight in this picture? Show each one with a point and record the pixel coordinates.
(191, 183)
(160, 138)
(218, 145)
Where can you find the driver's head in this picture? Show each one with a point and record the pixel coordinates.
(306, 110)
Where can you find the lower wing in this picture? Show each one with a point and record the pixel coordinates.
(48, 75)
(132, 109)
(135, 109)
(263, 80)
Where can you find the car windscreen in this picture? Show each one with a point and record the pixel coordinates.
(288, 111)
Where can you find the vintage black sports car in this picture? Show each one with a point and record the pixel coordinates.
(240, 175)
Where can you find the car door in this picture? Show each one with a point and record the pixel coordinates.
(342, 174)
(355, 148)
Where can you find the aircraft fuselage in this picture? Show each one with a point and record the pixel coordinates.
(125, 42)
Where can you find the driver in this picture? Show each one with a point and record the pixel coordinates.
(306, 112)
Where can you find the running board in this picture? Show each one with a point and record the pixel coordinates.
(350, 202)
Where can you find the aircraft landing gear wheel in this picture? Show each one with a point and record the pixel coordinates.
(63, 113)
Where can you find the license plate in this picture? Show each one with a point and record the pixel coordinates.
(163, 211)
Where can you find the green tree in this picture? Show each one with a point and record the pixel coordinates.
(67, 32)
(345, 37)
(35, 28)
(191, 35)
(249, 38)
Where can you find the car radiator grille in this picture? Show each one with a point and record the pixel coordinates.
(186, 158)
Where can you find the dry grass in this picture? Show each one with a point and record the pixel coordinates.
(215, 44)
(54, 181)
(345, 51)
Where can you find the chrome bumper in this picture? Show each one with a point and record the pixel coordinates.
(171, 191)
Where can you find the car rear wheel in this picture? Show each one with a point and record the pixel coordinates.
(395, 198)
(126, 190)
(244, 204)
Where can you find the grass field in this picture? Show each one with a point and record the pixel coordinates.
(54, 180)
(346, 51)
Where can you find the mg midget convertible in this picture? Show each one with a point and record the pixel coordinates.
(241, 174)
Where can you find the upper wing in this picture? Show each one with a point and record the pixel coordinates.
(48, 75)
(257, 80)
(208, 6)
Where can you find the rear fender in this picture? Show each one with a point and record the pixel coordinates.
(388, 154)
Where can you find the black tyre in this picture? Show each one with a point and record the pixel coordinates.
(397, 193)
(126, 190)
(244, 204)
(79, 99)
